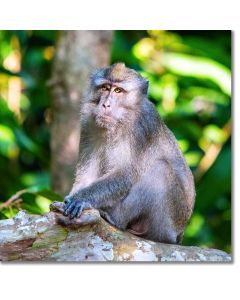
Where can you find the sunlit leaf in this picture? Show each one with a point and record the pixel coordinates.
(8, 146)
(144, 48)
(206, 94)
(195, 225)
(201, 67)
(35, 179)
(43, 203)
(214, 134)
(193, 158)
(184, 145)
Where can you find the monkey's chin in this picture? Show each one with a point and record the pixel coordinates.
(106, 122)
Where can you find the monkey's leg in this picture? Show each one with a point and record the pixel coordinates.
(143, 213)
(148, 209)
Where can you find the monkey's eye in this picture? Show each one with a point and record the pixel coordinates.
(118, 90)
(104, 88)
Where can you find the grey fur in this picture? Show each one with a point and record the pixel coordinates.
(130, 166)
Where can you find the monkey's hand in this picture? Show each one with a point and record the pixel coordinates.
(73, 207)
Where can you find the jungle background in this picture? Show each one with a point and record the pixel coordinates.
(42, 78)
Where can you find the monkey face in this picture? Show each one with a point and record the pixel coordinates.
(111, 109)
(117, 93)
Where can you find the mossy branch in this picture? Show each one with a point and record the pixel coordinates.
(53, 237)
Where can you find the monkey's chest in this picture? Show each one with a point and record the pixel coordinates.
(88, 173)
(118, 156)
(103, 160)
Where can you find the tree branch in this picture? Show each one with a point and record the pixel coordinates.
(53, 237)
(13, 199)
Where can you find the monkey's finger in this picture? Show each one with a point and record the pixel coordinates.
(66, 204)
(67, 200)
(79, 212)
(65, 212)
(76, 210)
(69, 208)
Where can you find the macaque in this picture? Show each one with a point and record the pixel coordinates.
(130, 167)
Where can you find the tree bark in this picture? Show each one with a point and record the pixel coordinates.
(53, 237)
(78, 53)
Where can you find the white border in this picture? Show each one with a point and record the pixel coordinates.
(124, 14)
(202, 281)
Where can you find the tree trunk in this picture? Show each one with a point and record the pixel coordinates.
(78, 53)
(53, 237)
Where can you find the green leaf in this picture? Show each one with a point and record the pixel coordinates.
(8, 146)
(201, 67)
(50, 195)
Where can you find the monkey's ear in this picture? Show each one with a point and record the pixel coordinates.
(145, 85)
(96, 76)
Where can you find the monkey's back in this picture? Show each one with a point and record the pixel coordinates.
(162, 147)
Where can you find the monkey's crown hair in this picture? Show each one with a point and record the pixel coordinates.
(118, 72)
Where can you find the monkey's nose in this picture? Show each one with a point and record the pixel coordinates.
(106, 105)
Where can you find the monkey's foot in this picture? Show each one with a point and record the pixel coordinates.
(88, 216)
(106, 217)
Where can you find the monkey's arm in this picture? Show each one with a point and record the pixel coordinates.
(103, 193)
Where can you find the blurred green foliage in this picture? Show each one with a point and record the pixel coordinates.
(25, 65)
(190, 83)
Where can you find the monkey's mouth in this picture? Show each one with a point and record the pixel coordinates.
(105, 121)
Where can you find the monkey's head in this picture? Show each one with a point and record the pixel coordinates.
(116, 94)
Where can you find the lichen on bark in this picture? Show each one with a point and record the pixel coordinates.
(53, 237)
